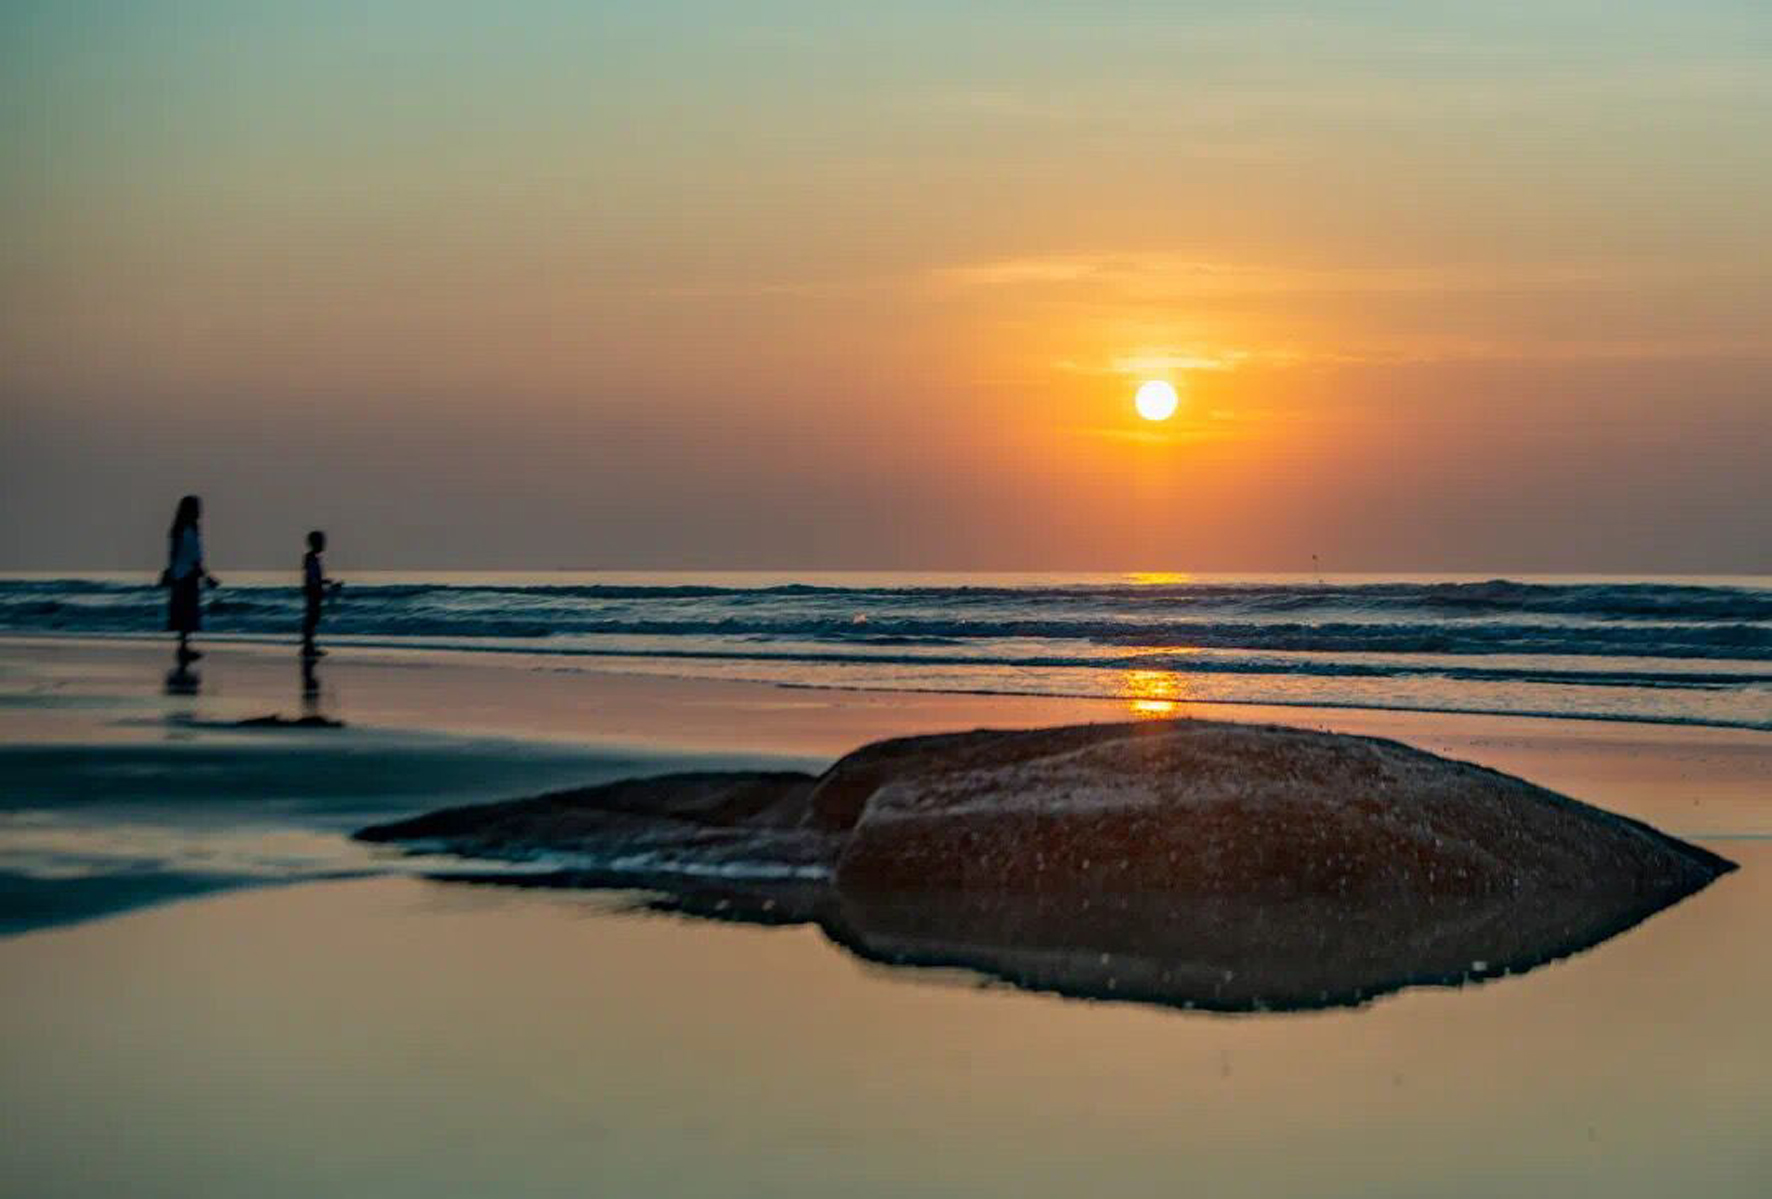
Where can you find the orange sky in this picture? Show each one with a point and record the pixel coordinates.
(826, 286)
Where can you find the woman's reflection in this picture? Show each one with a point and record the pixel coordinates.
(182, 680)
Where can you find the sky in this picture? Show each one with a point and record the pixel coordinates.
(697, 284)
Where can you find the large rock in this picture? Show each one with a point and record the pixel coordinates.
(1204, 808)
(1183, 808)
(1192, 863)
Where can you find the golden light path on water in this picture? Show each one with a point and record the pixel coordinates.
(1153, 693)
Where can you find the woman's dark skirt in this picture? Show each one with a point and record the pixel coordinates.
(184, 611)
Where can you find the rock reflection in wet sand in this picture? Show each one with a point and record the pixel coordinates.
(1226, 955)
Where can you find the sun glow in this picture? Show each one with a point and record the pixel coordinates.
(1153, 693)
(1156, 400)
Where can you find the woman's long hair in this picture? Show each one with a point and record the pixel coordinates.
(190, 511)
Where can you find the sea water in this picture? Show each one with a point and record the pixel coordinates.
(1682, 650)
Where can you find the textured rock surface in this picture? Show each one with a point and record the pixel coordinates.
(1205, 808)
(1188, 808)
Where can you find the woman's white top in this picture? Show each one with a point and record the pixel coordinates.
(187, 554)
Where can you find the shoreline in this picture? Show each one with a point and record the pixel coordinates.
(95, 692)
(352, 655)
(106, 772)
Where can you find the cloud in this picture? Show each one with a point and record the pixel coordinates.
(1160, 275)
(1163, 362)
(1159, 313)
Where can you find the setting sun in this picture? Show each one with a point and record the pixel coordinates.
(1156, 400)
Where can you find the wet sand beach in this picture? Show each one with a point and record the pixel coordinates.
(364, 1029)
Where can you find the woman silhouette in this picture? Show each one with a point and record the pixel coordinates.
(185, 575)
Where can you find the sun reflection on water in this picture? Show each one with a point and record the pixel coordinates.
(1152, 693)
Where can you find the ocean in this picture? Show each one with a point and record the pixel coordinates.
(1670, 650)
